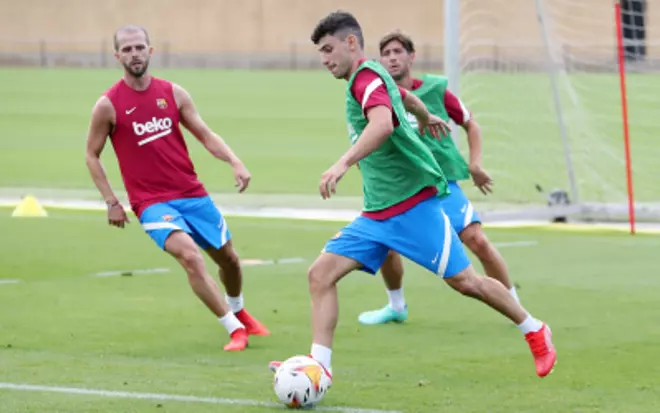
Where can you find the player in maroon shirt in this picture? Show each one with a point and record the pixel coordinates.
(141, 115)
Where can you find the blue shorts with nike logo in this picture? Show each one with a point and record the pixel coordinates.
(422, 234)
(199, 217)
(458, 208)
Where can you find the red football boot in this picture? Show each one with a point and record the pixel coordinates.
(252, 325)
(239, 340)
(545, 355)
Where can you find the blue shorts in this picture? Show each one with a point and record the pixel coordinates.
(422, 234)
(198, 217)
(458, 208)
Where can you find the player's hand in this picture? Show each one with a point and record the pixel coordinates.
(481, 179)
(329, 179)
(242, 176)
(117, 215)
(436, 127)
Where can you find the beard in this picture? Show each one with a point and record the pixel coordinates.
(137, 73)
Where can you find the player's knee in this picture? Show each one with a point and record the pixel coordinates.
(192, 261)
(475, 239)
(392, 268)
(314, 277)
(231, 262)
(318, 277)
(466, 283)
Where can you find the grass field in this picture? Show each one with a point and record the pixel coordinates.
(61, 326)
(289, 127)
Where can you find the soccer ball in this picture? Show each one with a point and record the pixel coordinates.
(301, 382)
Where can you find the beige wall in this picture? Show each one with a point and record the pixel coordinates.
(273, 25)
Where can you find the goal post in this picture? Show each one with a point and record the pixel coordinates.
(544, 80)
(559, 111)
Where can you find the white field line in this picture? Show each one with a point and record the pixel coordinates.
(290, 260)
(9, 281)
(342, 215)
(131, 272)
(245, 263)
(337, 215)
(249, 262)
(171, 397)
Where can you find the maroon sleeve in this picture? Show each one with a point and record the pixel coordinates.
(456, 110)
(369, 91)
(403, 92)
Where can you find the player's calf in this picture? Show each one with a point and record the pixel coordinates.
(323, 290)
(182, 247)
(231, 275)
(323, 276)
(488, 290)
(392, 271)
(494, 294)
(396, 309)
(229, 265)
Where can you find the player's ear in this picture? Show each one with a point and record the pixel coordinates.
(151, 50)
(412, 57)
(352, 42)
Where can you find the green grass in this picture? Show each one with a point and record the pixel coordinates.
(289, 127)
(148, 333)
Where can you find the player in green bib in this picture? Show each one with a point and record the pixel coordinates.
(397, 53)
(402, 207)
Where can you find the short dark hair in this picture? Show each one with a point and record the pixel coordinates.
(397, 36)
(340, 24)
(129, 28)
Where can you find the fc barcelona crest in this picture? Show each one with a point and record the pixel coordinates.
(161, 103)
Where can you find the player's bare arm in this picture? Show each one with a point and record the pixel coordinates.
(100, 127)
(191, 120)
(480, 177)
(378, 129)
(461, 116)
(425, 119)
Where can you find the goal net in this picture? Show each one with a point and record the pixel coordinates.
(541, 77)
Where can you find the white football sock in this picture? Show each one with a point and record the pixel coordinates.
(230, 322)
(514, 293)
(397, 302)
(323, 355)
(235, 303)
(530, 325)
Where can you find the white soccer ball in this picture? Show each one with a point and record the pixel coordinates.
(301, 382)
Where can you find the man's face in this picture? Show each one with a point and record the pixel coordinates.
(396, 59)
(133, 52)
(336, 54)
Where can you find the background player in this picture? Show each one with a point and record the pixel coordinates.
(397, 53)
(402, 210)
(141, 115)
